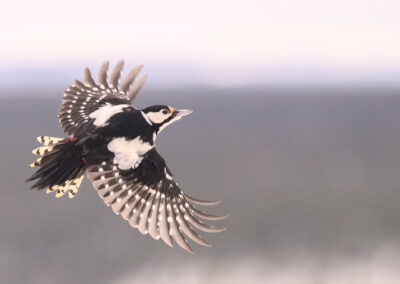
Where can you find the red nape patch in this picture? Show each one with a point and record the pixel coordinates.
(84, 160)
(72, 139)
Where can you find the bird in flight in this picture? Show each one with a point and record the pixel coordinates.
(114, 144)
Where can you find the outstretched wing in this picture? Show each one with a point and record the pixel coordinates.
(80, 100)
(150, 199)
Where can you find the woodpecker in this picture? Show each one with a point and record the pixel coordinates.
(114, 144)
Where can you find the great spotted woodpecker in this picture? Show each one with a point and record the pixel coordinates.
(114, 144)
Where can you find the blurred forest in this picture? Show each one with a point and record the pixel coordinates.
(310, 176)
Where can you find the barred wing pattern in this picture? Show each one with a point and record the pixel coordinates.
(82, 99)
(151, 200)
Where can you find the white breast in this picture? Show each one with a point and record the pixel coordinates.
(128, 153)
(104, 113)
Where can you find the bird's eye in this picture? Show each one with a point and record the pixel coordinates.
(165, 111)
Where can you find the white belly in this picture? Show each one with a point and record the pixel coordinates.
(128, 153)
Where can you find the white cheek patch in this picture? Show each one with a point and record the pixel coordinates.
(128, 153)
(157, 117)
(104, 113)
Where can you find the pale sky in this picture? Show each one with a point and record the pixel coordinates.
(223, 42)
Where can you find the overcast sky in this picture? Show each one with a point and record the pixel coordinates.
(221, 42)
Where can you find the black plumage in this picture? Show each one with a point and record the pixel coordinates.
(114, 143)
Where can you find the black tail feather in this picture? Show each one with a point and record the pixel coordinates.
(61, 164)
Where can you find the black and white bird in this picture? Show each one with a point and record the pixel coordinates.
(114, 144)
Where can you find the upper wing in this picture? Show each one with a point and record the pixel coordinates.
(82, 99)
(151, 200)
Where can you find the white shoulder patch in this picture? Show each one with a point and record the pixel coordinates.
(128, 153)
(104, 113)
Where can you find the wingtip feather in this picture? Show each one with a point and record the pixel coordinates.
(202, 202)
(134, 91)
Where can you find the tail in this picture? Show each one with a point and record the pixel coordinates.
(61, 166)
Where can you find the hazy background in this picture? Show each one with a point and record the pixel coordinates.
(296, 128)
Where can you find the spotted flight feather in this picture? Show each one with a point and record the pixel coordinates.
(82, 99)
(152, 201)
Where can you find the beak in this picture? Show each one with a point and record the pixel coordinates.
(179, 113)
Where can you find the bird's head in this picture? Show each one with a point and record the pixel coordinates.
(160, 116)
